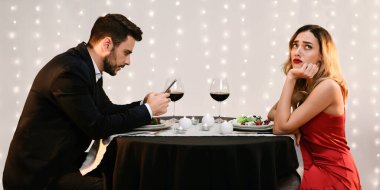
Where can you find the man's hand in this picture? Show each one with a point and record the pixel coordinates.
(158, 102)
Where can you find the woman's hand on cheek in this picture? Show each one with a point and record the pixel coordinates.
(307, 71)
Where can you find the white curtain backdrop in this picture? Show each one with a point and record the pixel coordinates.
(196, 40)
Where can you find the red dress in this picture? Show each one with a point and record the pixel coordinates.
(328, 163)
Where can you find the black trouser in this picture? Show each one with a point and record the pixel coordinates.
(98, 179)
(75, 180)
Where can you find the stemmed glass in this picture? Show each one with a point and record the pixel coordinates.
(219, 91)
(176, 92)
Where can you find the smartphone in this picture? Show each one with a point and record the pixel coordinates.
(171, 84)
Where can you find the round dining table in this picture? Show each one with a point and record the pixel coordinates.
(205, 162)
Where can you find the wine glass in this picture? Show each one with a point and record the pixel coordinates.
(176, 91)
(219, 91)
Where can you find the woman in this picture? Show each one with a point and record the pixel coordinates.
(312, 106)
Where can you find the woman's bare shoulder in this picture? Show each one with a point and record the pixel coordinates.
(330, 91)
(328, 85)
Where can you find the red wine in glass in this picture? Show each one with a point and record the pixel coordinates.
(175, 88)
(219, 96)
(174, 96)
(219, 91)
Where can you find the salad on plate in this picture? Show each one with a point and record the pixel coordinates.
(155, 124)
(252, 120)
(155, 121)
(252, 123)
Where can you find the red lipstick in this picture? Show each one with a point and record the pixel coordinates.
(297, 61)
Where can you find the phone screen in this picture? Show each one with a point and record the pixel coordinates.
(171, 84)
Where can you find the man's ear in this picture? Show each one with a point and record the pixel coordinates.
(107, 44)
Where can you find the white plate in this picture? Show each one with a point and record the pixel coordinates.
(163, 125)
(251, 127)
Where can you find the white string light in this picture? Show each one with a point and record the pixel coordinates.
(202, 39)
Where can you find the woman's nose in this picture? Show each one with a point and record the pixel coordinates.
(298, 51)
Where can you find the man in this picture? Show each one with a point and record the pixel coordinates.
(67, 107)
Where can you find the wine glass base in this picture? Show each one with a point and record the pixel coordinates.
(219, 120)
(174, 120)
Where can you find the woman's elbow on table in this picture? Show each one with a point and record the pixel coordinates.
(279, 129)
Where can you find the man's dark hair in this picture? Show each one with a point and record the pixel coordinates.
(116, 26)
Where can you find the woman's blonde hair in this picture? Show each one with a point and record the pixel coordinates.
(328, 66)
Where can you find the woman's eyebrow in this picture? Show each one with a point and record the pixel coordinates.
(306, 42)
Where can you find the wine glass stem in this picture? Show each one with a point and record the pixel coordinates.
(220, 105)
(173, 109)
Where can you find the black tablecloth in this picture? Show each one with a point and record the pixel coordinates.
(213, 162)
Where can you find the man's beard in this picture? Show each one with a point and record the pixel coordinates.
(108, 67)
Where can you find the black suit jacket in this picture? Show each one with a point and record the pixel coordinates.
(64, 111)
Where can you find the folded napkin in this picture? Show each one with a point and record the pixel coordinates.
(97, 150)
